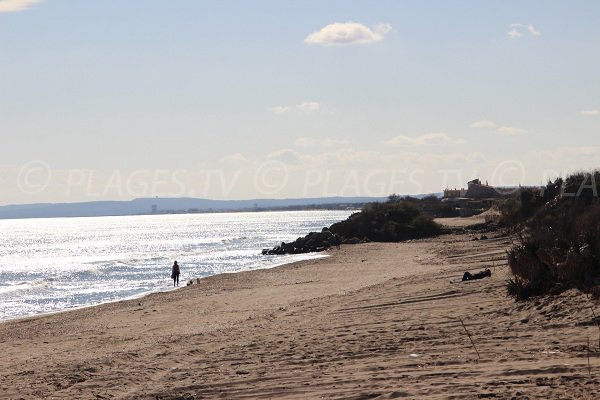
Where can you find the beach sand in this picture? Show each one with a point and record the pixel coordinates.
(377, 320)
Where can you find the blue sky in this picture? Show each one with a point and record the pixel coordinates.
(238, 99)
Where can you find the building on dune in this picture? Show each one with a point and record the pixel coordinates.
(475, 190)
(476, 198)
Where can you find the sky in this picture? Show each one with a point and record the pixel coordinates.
(114, 100)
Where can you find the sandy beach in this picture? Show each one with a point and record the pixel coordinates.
(377, 320)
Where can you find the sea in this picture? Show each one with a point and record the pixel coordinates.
(53, 264)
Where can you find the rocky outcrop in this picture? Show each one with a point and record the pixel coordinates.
(313, 242)
(377, 222)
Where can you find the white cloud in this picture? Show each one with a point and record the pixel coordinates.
(510, 131)
(382, 28)
(348, 157)
(436, 138)
(305, 142)
(533, 31)
(567, 158)
(519, 30)
(286, 156)
(334, 142)
(514, 33)
(485, 123)
(502, 130)
(236, 160)
(348, 33)
(306, 107)
(16, 5)
(310, 142)
(583, 151)
(278, 109)
(590, 113)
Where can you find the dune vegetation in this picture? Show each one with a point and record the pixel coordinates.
(559, 237)
(396, 220)
(393, 221)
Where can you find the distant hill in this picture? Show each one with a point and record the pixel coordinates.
(163, 205)
(168, 205)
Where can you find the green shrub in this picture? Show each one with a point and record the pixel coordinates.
(517, 289)
(560, 238)
(387, 222)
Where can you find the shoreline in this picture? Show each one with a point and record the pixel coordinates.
(376, 320)
(56, 276)
(170, 289)
(75, 308)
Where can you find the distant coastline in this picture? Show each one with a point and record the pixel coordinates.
(183, 205)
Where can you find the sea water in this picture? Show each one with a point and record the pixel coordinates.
(53, 264)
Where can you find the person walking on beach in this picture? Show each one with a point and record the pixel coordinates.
(175, 273)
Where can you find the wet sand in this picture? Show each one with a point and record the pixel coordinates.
(371, 321)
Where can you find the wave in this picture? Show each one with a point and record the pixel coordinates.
(234, 239)
(27, 285)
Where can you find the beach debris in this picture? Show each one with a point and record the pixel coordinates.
(551, 352)
(470, 338)
(414, 355)
(590, 305)
(588, 356)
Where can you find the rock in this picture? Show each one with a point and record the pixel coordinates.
(313, 242)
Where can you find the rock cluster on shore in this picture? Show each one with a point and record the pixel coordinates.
(393, 221)
(313, 242)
